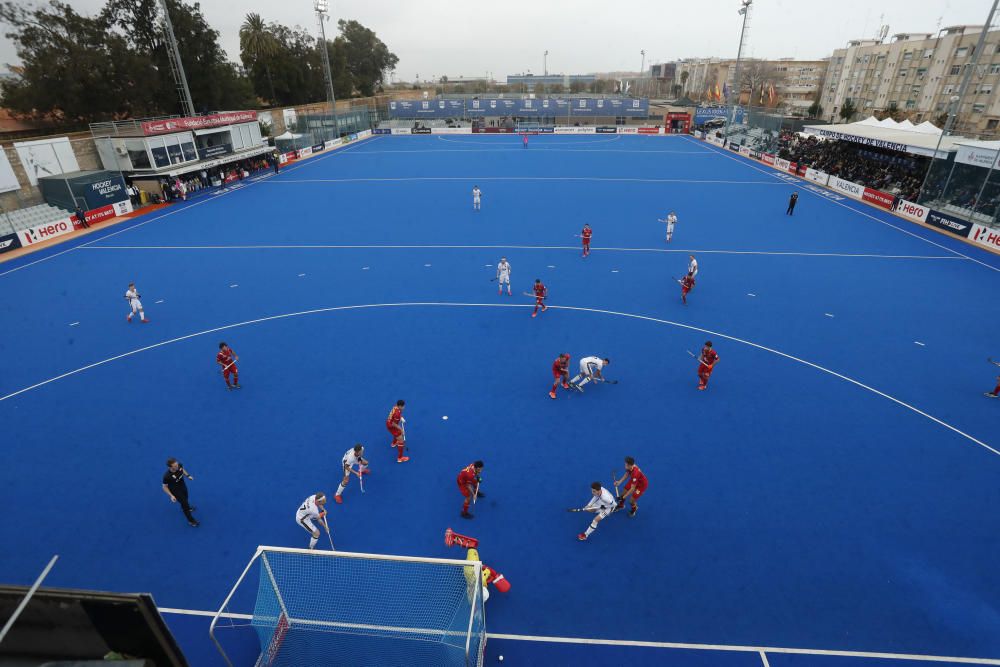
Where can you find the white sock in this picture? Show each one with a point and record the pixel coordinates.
(574, 380)
(591, 528)
(340, 489)
(312, 542)
(142, 315)
(585, 381)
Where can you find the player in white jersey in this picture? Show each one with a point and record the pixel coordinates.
(692, 266)
(671, 220)
(590, 369)
(602, 504)
(312, 509)
(476, 198)
(503, 275)
(351, 458)
(132, 296)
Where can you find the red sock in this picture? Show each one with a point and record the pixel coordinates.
(399, 451)
(465, 505)
(996, 390)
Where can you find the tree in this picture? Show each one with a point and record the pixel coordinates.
(368, 58)
(555, 89)
(815, 109)
(847, 110)
(677, 89)
(752, 76)
(257, 44)
(685, 75)
(576, 86)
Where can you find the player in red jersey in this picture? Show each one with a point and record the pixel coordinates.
(996, 390)
(560, 373)
(637, 484)
(540, 294)
(585, 235)
(524, 138)
(687, 284)
(396, 425)
(227, 359)
(706, 364)
(468, 483)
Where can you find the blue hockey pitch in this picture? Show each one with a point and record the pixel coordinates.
(837, 487)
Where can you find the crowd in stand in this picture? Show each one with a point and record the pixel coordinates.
(180, 187)
(889, 171)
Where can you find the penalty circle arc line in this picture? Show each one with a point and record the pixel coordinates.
(440, 304)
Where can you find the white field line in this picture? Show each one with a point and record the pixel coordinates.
(174, 211)
(472, 179)
(511, 247)
(600, 311)
(650, 644)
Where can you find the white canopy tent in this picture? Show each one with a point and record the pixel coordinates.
(904, 137)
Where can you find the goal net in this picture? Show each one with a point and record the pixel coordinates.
(340, 608)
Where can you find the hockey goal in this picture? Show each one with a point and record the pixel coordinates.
(340, 608)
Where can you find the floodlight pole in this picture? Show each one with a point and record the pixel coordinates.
(745, 11)
(322, 8)
(176, 65)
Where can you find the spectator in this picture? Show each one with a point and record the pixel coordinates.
(82, 217)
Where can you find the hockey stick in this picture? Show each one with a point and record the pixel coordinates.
(586, 509)
(597, 379)
(226, 368)
(535, 295)
(618, 495)
(361, 476)
(691, 353)
(475, 494)
(328, 535)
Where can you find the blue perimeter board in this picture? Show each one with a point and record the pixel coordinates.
(836, 486)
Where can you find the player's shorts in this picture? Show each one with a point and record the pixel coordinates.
(604, 513)
(637, 494)
(226, 372)
(704, 370)
(504, 278)
(464, 488)
(136, 305)
(556, 375)
(306, 524)
(685, 290)
(476, 200)
(395, 430)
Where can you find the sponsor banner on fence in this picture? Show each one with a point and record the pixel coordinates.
(908, 209)
(756, 155)
(305, 152)
(544, 130)
(49, 230)
(420, 130)
(318, 147)
(364, 134)
(330, 143)
(976, 156)
(95, 216)
(123, 207)
(949, 223)
(574, 130)
(734, 147)
(650, 130)
(451, 130)
(816, 176)
(401, 130)
(197, 123)
(381, 130)
(984, 236)
(704, 114)
(878, 198)
(852, 190)
(9, 242)
(782, 164)
(718, 141)
(745, 151)
(628, 130)
(606, 130)
(768, 159)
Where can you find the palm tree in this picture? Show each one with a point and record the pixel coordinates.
(257, 44)
(684, 80)
(848, 110)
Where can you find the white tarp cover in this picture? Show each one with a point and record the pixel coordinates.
(888, 134)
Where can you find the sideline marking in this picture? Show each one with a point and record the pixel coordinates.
(799, 179)
(917, 342)
(674, 645)
(199, 202)
(418, 304)
(763, 659)
(609, 179)
(511, 247)
(583, 142)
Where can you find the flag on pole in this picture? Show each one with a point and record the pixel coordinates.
(718, 95)
(725, 90)
(761, 93)
(770, 94)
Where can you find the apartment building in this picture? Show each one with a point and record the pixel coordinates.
(796, 83)
(917, 74)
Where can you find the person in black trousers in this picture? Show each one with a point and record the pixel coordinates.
(175, 487)
(791, 203)
(82, 217)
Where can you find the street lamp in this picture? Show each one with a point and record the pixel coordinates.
(322, 8)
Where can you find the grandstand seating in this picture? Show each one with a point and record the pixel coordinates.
(23, 218)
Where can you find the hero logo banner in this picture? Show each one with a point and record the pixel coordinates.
(984, 236)
(949, 223)
(49, 230)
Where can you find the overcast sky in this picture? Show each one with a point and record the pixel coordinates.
(437, 37)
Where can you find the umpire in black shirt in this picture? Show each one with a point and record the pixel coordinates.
(175, 487)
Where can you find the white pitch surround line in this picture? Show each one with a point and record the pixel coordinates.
(325, 246)
(761, 650)
(609, 179)
(763, 659)
(440, 304)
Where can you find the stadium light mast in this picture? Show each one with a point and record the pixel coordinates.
(642, 68)
(322, 8)
(176, 66)
(731, 117)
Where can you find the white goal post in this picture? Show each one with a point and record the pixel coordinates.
(320, 608)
